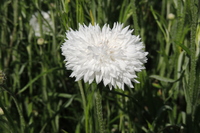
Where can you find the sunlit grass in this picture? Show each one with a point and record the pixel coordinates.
(38, 96)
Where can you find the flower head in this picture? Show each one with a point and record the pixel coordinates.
(45, 23)
(170, 16)
(109, 55)
(1, 111)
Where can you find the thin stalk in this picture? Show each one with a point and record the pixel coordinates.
(84, 105)
(99, 111)
(22, 121)
(191, 104)
(44, 84)
(135, 19)
(194, 15)
(29, 51)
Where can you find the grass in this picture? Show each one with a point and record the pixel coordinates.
(38, 96)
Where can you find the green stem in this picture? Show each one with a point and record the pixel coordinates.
(192, 102)
(135, 19)
(84, 105)
(22, 121)
(194, 15)
(99, 111)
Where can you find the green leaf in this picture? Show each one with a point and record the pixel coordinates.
(164, 79)
(35, 79)
(63, 131)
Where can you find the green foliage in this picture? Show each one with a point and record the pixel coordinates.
(38, 96)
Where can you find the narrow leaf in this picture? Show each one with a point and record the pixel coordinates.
(164, 79)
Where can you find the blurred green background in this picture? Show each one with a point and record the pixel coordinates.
(37, 95)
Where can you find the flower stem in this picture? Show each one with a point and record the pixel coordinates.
(99, 111)
(135, 18)
(194, 15)
(193, 89)
(84, 105)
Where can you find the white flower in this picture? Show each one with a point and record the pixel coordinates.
(45, 22)
(112, 55)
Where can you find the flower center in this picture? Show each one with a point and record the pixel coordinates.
(101, 52)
